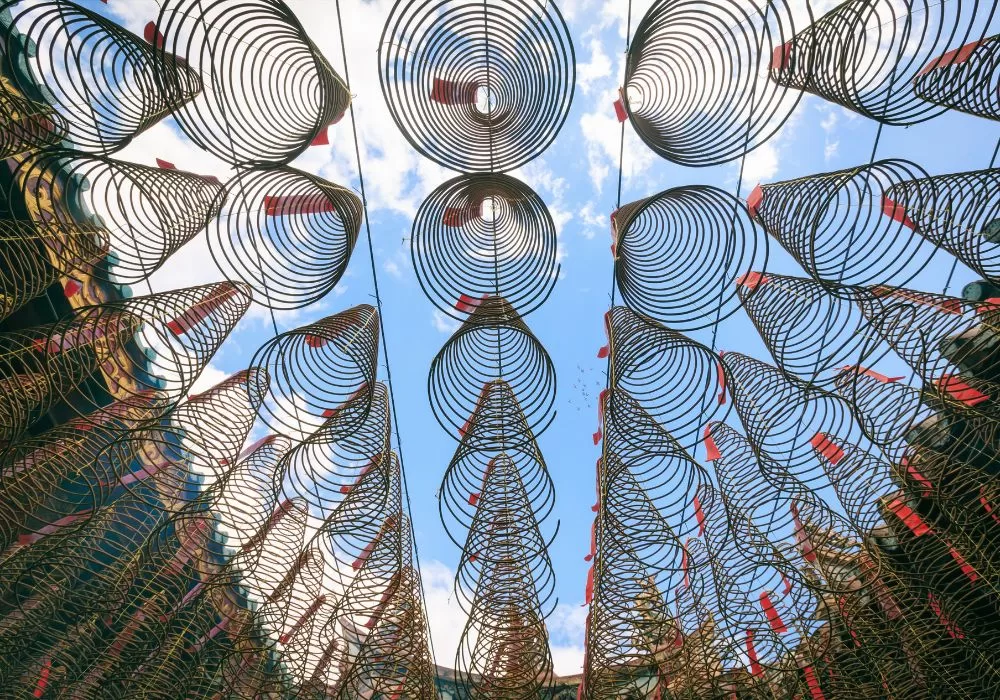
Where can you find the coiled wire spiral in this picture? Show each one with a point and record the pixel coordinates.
(244, 122)
(286, 233)
(964, 79)
(102, 79)
(484, 235)
(477, 87)
(836, 58)
(696, 77)
(671, 247)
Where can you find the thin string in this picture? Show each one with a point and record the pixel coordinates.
(385, 344)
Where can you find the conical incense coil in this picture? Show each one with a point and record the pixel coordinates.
(784, 418)
(139, 215)
(696, 80)
(842, 227)
(493, 344)
(48, 480)
(36, 374)
(324, 468)
(177, 332)
(865, 54)
(810, 333)
(885, 407)
(240, 45)
(101, 78)
(477, 88)
(27, 125)
(505, 583)
(196, 445)
(316, 369)
(26, 270)
(286, 233)
(484, 235)
(664, 471)
(959, 212)
(678, 253)
(470, 468)
(946, 341)
(680, 383)
(964, 79)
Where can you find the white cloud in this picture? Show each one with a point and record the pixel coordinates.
(598, 67)
(443, 323)
(830, 151)
(392, 268)
(209, 377)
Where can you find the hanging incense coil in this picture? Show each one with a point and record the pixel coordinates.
(286, 233)
(957, 212)
(946, 341)
(241, 45)
(201, 436)
(177, 332)
(471, 466)
(505, 583)
(484, 235)
(678, 253)
(809, 332)
(666, 474)
(863, 55)
(478, 88)
(696, 79)
(101, 78)
(493, 344)
(37, 373)
(137, 215)
(842, 227)
(47, 479)
(678, 382)
(784, 418)
(964, 79)
(27, 125)
(316, 369)
(325, 466)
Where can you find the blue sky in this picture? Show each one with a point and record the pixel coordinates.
(577, 178)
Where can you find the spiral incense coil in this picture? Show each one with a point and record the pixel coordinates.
(27, 125)
(396, 656)
(809, 332)
(696, 79)
(678, 253)
(484, 235)
(504, 530)
(286, 233)
(478, 88)
(470, 468)
(201, 436)
(957, 212)
(316, 369)
(177, 332)
(859, 480)
(678, 382)
(25, 273)
(664, 471)
(273, 91)
(843, 227)
(102, 79)
(136, 215)
(945, 340)
(884, 407)
(866, 54)
(324, 467)
(784, 417)
(492, 344)
(46, 480)
(763, 513)
(964, 79)
(34, 378)
(505, 583)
